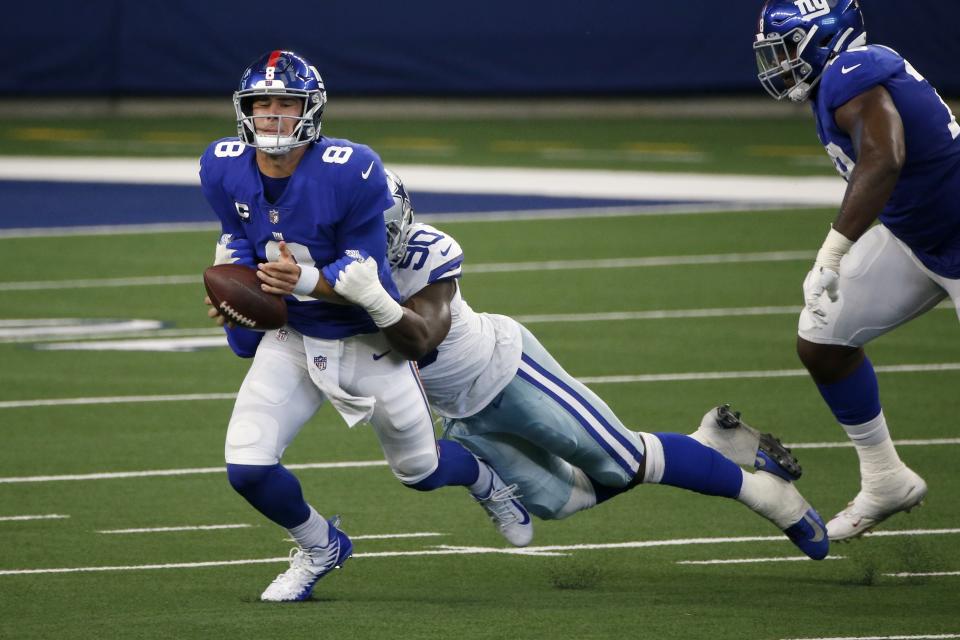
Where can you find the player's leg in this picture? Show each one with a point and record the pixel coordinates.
(681, 461)
(547, 485)
(881, 287)
(275, 400)
(404, 427)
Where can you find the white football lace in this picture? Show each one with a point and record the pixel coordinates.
(237, 317)
(498, 506)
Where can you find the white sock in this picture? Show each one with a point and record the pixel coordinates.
(484, 482)
(315, 532)
(878, 457)
(773, 498)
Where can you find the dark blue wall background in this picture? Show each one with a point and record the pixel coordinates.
(428, 47)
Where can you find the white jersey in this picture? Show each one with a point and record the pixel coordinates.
(480, 354)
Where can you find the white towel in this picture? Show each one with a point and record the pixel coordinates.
(323, 363)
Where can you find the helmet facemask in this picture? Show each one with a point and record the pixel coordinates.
(398, 219)
(305, 129)
(782, 70)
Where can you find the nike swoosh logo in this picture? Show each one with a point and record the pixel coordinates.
(846, 70)
(818, 533)
(444, 252)
(366, 174)
(380, 355)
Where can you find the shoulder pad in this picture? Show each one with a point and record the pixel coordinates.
(431, 256)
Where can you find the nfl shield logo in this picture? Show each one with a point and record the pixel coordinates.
(281, 335)
(320, 361)
(274, 216)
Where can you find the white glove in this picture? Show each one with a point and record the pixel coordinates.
(820, 280)
(824, 277)
(358, 281)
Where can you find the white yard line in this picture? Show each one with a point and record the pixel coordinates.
(938, 636)
(464, 550)
(617, 379)
(59, 402)
(155, 473)
(923, 574)
(774, 373)
(49, 516)
(753, 560)
(684, 208)
(159, 473)
(202, 527)
(489, 267)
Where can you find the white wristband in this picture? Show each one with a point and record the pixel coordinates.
(309, 277)
(835, 246)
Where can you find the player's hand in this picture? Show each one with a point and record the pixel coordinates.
(241, 252)
(215, 314)
(279, 277)
(819, 282)
(356, 278)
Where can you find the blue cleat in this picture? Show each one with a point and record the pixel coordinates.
(810, 535)
(307, 566)
(777, 459)
(771, 455)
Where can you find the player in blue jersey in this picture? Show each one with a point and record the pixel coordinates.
(505, 398)
(290, 200)
(897, 144)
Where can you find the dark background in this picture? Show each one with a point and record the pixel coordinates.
(429, 48)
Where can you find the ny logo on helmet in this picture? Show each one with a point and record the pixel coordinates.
(812, 8)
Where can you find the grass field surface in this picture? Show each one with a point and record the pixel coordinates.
(117, 521)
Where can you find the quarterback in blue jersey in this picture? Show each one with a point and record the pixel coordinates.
(506, 399)
(897, 144)
(291, 201)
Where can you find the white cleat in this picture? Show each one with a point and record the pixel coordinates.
(307, 566)
(902, 492)
(510, 517)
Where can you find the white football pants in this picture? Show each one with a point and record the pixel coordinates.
(279, 395)
(882, 286)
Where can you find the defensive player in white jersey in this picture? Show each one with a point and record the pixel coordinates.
(280, 190)
(898, 145)
(507, 400)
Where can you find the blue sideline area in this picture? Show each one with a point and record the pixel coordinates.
(32, 205)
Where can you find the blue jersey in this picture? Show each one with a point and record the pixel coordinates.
(333, 202)
(924, 209)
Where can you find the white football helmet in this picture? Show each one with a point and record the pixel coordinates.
(398, 219)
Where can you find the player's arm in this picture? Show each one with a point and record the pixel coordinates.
(425, 321)
(874, 125)
(286, 277)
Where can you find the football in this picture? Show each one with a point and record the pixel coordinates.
(235, 290)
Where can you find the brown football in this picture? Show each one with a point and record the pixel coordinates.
(235, 290)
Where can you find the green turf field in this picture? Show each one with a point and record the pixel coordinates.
(144, 448)
(784, 146)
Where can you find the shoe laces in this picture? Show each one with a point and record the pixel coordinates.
(498, 505)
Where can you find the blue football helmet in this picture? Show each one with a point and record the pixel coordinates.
(797, 38)
(398, 219)
(280, 73)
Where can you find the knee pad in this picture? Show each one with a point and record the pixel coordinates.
(415, 469)
(252, 439)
